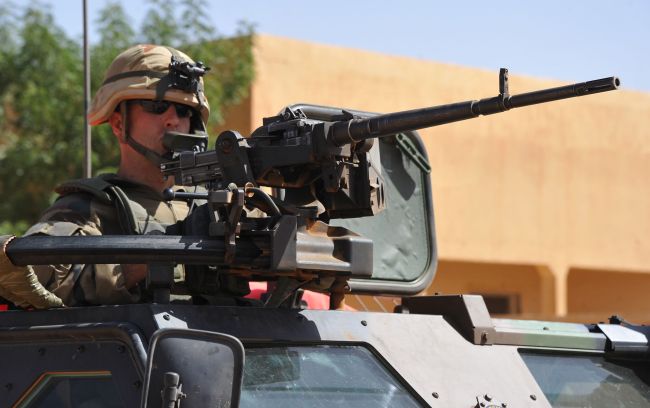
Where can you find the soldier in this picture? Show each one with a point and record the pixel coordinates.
(147, 91)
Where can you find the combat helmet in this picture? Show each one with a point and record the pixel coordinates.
(151, 72)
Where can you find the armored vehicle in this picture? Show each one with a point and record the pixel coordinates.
(350, 212)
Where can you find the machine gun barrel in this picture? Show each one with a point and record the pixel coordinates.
(356, 130)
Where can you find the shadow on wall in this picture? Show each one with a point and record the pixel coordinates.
(595, 295)
(508, 290)
(528, 292)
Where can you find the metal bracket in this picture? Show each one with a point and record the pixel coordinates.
(172, 391)
(232, 201)
(622, 339)
(467, 313)
(487, 400)
(409, 149)
(284, 293)
(166, 320)
(504, 89)
(160, 278)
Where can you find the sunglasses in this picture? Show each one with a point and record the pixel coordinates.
(160, 107)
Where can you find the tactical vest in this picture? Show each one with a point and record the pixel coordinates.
(133, 217)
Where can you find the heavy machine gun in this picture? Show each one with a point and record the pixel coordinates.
(330, 161)
(321, 170)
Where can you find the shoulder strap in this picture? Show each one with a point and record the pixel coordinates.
(103, 189)
(97, 187)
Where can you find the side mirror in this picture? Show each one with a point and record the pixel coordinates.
(193, 368)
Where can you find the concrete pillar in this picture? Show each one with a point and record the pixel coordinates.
(560, 273)
(547, 289)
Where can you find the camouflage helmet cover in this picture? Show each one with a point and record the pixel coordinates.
(136, 74)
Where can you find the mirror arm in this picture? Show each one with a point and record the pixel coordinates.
(171, 392)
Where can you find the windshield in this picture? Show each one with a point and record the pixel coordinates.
(319, 376)
(590, 381)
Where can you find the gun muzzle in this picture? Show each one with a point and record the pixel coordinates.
(563, 92)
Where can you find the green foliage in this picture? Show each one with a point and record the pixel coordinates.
(116, 35)
(231, 60)
(195, 23)
(40, 97)
(41, 91)
(231, 63)
(13, 228)
(160, 26)
(7, 32)
(7, 50)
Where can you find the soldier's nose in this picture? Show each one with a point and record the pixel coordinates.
(171, 118)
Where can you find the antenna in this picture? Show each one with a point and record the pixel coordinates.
(87, 165)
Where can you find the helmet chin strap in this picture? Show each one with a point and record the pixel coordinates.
(149, 154)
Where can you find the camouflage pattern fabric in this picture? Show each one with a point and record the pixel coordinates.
(136, 74)
(21, 286)
(81, 213)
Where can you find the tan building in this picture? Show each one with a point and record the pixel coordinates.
(545, 210)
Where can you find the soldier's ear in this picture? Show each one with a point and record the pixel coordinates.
(115, 120)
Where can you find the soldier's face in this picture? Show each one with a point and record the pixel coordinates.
(148, 128)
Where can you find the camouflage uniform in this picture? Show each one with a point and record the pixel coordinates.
(79, 212)
(94, 206)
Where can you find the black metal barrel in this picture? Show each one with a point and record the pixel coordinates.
(125, 249)
(356, 130)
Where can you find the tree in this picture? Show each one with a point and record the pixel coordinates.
(41, 94)
(7, 51)
(41, 103)
(160, 25)
(231, 60)
(116, 35)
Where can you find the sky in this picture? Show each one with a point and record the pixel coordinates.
(566, 40)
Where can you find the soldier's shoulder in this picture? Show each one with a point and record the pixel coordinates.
(97, 188)
(81, 202)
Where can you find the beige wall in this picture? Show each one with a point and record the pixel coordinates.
(602, 293)
(557, 187)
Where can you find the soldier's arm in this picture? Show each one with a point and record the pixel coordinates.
(34, 286)
(46, 286)
(20, 284)
(81, 214)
